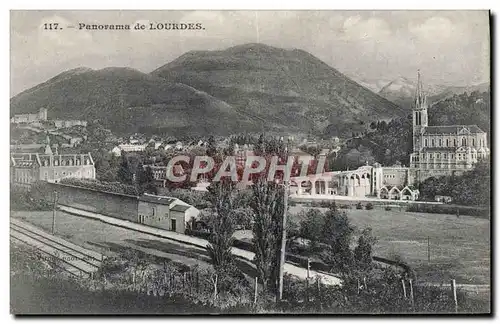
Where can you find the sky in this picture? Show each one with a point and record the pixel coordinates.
(373, 47)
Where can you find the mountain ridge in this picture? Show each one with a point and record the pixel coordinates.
(402, 91)
(251, 87)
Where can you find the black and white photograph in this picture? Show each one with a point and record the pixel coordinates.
(256, 162)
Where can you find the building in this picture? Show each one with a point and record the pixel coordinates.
(30, 118)
(437, 151)
(27, 168)
(68, 123)
(376, 181)
(166, 213)
(369, 181)
(443, 150)
(128, 148)
(160, 173)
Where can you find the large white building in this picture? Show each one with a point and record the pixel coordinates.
(443, 150)
(30, 118)
(27, 168)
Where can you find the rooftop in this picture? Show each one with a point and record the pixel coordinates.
(162, 200)
(180, 208)
(453, 129)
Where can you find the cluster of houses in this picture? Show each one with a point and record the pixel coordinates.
(138, 143)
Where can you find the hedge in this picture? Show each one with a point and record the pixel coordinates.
(115, 187)
(448, 209)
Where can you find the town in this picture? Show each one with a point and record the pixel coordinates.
(146, 189)
(252, 178)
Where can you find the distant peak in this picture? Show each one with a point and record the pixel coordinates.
(254, 46)
(80, 69)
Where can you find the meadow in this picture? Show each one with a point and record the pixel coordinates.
(459, 247)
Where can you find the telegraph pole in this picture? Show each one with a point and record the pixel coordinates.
(54, 213)
(428, 249)
(283, 237)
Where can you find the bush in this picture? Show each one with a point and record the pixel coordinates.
(325, 204)
(316, 204)
(369, 206)
(24, 200)
(345, 206)
(359, 206)
(387, 208)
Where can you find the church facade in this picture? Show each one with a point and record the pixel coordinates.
(443, 150)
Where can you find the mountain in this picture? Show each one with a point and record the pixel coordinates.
(284, 89)
(127, 100)
(402, 91)
(252, 87)
(450, 91)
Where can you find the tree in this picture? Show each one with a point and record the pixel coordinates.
(221, 195)
(267, 205)
(311, 227)
(337, 235)
(125, 175)
(145, 179)
(363, 251)
(211, 148)
(259, 147)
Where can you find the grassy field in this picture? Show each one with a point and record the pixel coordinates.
(459, 247)
(113, 240)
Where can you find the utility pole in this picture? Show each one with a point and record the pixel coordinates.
(428, 249)
(54, 213)
(283, 237)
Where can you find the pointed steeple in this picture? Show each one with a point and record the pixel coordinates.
(420, 97)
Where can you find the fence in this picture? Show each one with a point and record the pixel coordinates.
(384, 293)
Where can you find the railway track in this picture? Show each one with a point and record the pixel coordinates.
(75, 259)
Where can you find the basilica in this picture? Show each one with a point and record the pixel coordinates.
(437, 151)
(443, 150)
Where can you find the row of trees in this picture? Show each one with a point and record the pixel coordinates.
(267, 207)
(471, 188)
(330, 233)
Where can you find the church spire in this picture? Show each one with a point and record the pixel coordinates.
(420, 109)
(420, 97)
